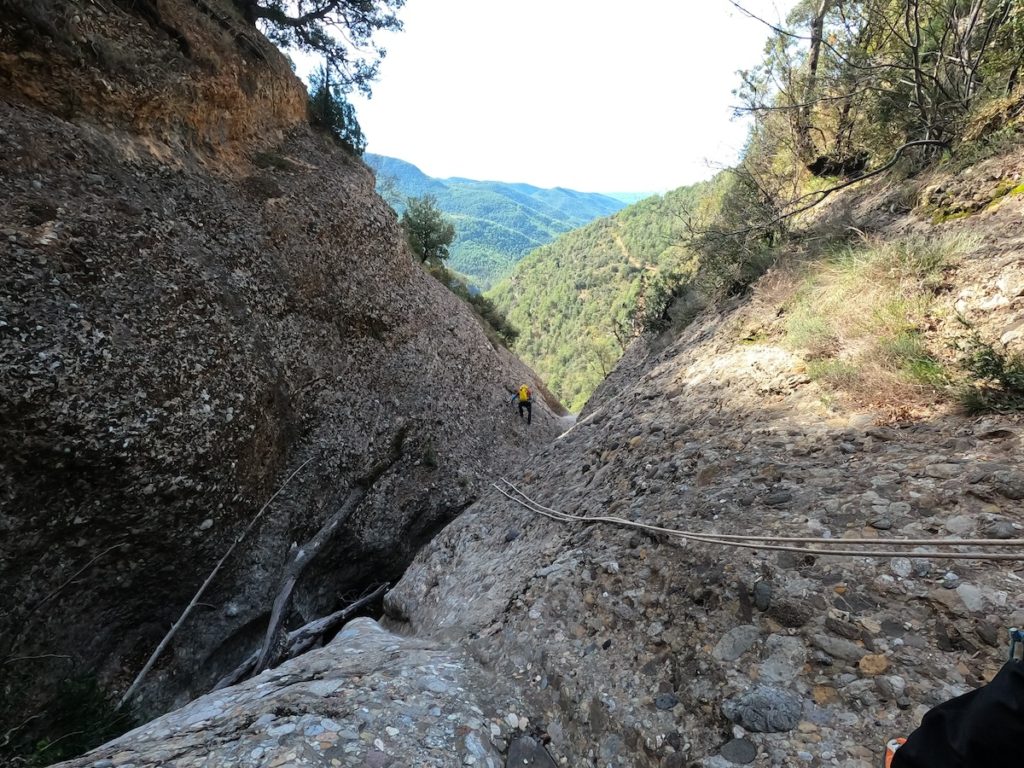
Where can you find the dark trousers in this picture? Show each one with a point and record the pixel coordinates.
(529, 410)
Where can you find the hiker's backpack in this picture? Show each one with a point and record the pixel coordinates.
(525, 394)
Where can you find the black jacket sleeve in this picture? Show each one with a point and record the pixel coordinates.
(981, 728)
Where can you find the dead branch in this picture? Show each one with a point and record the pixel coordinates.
(302, 639)
(301, 556)
(298, 559)
(824, 193)
(192, 604)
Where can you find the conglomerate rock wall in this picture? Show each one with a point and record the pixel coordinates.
(198, 295)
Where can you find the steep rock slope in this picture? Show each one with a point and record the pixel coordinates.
(198, 294)
(621, 647)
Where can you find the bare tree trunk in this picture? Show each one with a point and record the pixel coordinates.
(192, 604)
(298, 559)
(302, 556)
(804, 143)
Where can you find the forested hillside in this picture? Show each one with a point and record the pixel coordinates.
(574, 301)
(846, 91)
(496, 223)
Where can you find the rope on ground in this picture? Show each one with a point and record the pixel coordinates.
(764, 542)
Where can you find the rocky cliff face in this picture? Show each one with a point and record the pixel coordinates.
(583, 645)
(198, 294)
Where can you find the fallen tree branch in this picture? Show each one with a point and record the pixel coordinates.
(302, 639)
(300, 557)
(192, 604)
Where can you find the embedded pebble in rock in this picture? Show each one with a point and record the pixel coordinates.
(838, 648)
(525, 750)
(739, 751)
(1000, 530)
(785, 658)
(736, 642)
(901, 566)
(666, 700)
(762, 595)
(873, 664)
(765, 709)
(973, 598)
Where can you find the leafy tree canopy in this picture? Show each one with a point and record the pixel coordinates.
(329, 109)
(340, 31)
(427, 229)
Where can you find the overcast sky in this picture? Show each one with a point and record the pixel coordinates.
(595, 95)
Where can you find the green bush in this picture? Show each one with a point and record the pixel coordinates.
(998, 377)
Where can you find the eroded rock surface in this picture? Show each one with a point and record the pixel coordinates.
(362, 700)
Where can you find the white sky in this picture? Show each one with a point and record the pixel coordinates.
(595, 95)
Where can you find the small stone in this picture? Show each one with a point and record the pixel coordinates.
(974, 598)
(525, 750)
(839, 648)
(512, 719)
(739, 751)
(881, 523)
(790, 612)
(765, 709)
(988, 633)
(950, 580)
(922, 568)
(511, 535)
(762, 595)
(960, 525)
(736, 642)
(206, 525)
(873, 664)
(890, 687)
(1000, 530)
(777, 498)
(666, 700)
(901, 566)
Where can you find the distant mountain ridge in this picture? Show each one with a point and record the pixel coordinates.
(496, 223)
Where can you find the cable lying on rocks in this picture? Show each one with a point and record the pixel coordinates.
(770, 542)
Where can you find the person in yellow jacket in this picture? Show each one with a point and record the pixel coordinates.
(524, 397)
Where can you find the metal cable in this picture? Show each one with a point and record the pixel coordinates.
(745, 542)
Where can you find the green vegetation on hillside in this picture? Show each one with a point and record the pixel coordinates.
(869, 88)
(859, 315)
(574, 300)
(846, 91)
(496, 223)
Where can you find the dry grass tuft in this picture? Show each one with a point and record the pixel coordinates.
(861, 319)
